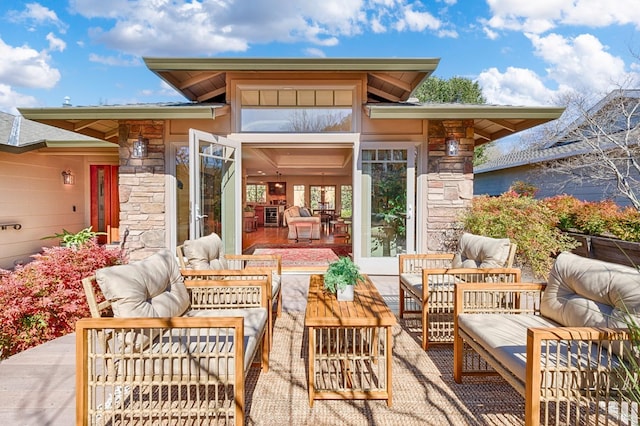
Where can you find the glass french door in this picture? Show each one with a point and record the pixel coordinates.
(214, 188)
(386, 187)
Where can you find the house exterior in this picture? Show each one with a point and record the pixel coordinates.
(342, 122)
(34, 200)
(615, 116)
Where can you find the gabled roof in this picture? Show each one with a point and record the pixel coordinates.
(204, 79)
(18, 135)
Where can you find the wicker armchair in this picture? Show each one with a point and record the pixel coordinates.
(204, 258)
(154, 361)
(426, 281)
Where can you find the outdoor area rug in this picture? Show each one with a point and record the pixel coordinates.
(424, 392)
(307, 259)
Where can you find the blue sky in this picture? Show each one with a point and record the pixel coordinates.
(522, 52)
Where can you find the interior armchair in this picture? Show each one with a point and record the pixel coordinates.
(426, 281)
(296, 214)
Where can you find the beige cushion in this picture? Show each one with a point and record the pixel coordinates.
(476, 251)
(152, 287)
(591, 293)
(205, 253)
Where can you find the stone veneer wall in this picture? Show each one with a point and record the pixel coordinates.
(449, 182)
(142, 189)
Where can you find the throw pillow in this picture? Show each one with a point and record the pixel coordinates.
(304, 212)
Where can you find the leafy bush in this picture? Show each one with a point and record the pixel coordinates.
(69, 239)
(43, 299)
(525, 221)
(595, 218)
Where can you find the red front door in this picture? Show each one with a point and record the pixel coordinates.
(105, 203)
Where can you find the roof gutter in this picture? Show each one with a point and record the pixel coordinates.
(116, 112)
(462, 112)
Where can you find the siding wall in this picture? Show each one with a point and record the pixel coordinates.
(549, 184)
(33, 195)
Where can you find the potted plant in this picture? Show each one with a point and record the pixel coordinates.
(340, 278)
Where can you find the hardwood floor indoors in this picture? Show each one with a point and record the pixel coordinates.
(277, 236)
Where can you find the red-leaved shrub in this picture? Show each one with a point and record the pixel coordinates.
(43, 299)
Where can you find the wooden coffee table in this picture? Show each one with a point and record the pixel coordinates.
(349, 344)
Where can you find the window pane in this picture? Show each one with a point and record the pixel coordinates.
(256, 193)
(298, 195)
(296, 120)
(346, 201)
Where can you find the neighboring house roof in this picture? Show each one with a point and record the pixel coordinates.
(390, 84)
(18, 134)
(532, 156)
(566, 144)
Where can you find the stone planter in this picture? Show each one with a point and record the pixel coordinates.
(345, 295)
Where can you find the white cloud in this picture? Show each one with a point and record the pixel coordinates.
(581, 62)
(11, 100)
(312, 51)
(115, 61)
(55, 43)
(210, 27)
(26, 67)
(36, 14)
(417, 21)
(516, 86)
(540, 16)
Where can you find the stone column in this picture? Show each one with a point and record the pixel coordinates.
(142, 189)
(449, 182)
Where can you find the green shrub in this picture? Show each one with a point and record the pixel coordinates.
(524, 220)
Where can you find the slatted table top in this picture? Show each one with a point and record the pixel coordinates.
(368, 308)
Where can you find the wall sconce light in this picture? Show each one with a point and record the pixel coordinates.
(140, 147)
(68, 178)
(452, 146)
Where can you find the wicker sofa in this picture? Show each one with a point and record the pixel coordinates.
(293, 215)
(174, 351)
(426, 280)
(561, 345)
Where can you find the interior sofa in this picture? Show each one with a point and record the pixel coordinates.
(563, 345)
(161, 349)
(296, 214)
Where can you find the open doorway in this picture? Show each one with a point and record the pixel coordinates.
(317, 177)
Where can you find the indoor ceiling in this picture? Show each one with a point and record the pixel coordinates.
(290, 161)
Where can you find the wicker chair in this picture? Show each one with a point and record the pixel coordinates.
(174, 351)
(205, 258)
(426, 281)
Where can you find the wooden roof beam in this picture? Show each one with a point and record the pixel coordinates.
(211, 94)
(482, 134)
(203, 76)
(83, 124)
(382, 94)
(505, 124)
(392, 80)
